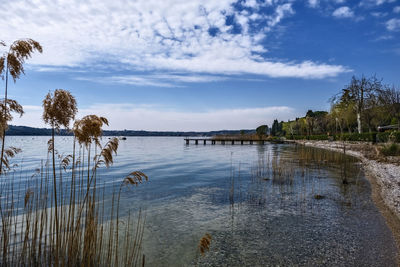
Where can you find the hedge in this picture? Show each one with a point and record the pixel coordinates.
(366, 137)
(388, 136)
(319, 137)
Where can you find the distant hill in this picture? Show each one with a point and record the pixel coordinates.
(25, 130)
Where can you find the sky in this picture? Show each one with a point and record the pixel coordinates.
(199, 65)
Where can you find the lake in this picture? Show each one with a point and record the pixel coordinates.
(263, 205)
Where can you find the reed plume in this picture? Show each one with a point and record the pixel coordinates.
(12, 106)
(45, 227)
(204, 244)
(59, 108)
(9, 153)
(135, 178)
(106, 154)
(12, 63)
(89, 129)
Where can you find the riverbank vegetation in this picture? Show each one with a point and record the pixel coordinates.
(364, 110)
(58, 216)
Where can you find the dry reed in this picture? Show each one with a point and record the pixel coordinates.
(204, 244)
(71, 226)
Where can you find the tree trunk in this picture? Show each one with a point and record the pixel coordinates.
(359, 122)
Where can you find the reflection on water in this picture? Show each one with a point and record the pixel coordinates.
(263, 205)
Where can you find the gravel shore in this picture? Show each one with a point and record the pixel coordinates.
(384, 178)
(387, 175)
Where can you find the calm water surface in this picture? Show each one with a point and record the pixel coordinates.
(230, 192)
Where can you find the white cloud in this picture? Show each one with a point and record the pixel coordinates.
(154, 35)
(313, 3)
(316, 3)
(369, 3)
(384, 38)
(379, 14)
(250, 3)
(306, 69)
(396, 9)
(280, 12)
(127, 116)
(393, 24)
(343, 12)
(157, 80)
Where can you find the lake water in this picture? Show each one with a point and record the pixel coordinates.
(264, 205)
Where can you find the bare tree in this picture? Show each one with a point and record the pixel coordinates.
(357, 93)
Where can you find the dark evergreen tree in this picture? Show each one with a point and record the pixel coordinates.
(275, 128)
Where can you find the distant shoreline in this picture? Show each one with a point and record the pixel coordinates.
(32, 131)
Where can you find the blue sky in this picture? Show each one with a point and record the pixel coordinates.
(200, 65)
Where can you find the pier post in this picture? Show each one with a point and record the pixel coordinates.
(251, 142)
(187, 141)
(213, 142)
(241, 142)
(262, 142)
(204, 141)
(196, 142)
(223, 142)
(233, 142)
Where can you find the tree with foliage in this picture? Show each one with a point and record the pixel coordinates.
(288, 127)
(364, 104)
(371, 112)
(262, 131)
(320, 121)
(310, 122)
(390, 99)
(343, 116)
(274, 128)
(277, 128)
(12, 63)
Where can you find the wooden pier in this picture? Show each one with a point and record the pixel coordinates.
(204, 141)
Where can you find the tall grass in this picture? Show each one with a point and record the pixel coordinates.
(276, 175)
(83, 231)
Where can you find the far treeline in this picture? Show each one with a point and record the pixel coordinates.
(31, 131)
(364, 110)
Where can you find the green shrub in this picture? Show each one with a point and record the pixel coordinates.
(391, 150)
(318, 137)
(365, 137)
(383, 137)
(393, 136)
(296, 137)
